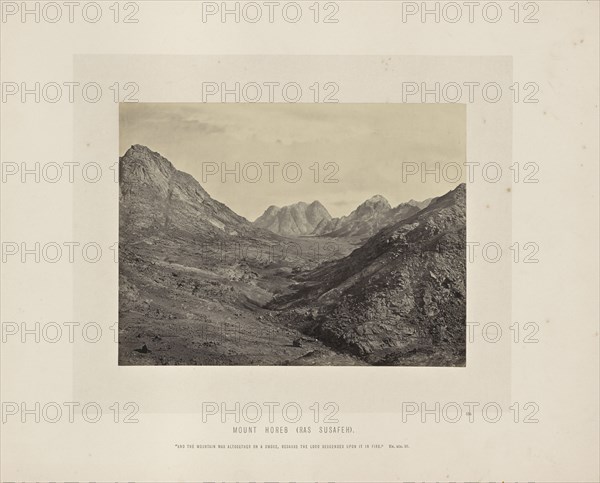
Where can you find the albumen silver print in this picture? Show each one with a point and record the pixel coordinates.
(292, 234)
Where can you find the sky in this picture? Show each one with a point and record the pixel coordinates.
(339, 154)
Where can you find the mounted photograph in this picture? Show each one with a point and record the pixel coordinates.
(292, 234)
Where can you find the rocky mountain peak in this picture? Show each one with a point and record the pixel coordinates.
(142, 154)
(377, 200)
(155, 194)
(272, 209)
(375, 204)
(297, 219)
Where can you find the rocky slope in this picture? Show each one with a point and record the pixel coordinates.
(293, 220)
(156, 198)
(400, 299)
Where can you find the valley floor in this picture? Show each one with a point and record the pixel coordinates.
(194, 310)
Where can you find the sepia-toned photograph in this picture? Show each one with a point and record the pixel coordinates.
(292, 234)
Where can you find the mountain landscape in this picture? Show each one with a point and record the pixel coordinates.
(201, 285)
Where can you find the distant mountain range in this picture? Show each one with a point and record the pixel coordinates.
(314, 219)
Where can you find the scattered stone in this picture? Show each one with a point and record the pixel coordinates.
(297, 343)
(143, 350)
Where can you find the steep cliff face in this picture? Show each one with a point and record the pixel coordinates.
(401, 297)
(293, 220)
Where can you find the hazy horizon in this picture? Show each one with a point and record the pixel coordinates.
(365, 142)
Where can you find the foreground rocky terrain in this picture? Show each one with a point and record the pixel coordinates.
(199, 284)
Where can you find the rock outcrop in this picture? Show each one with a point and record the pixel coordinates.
(293, 220)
